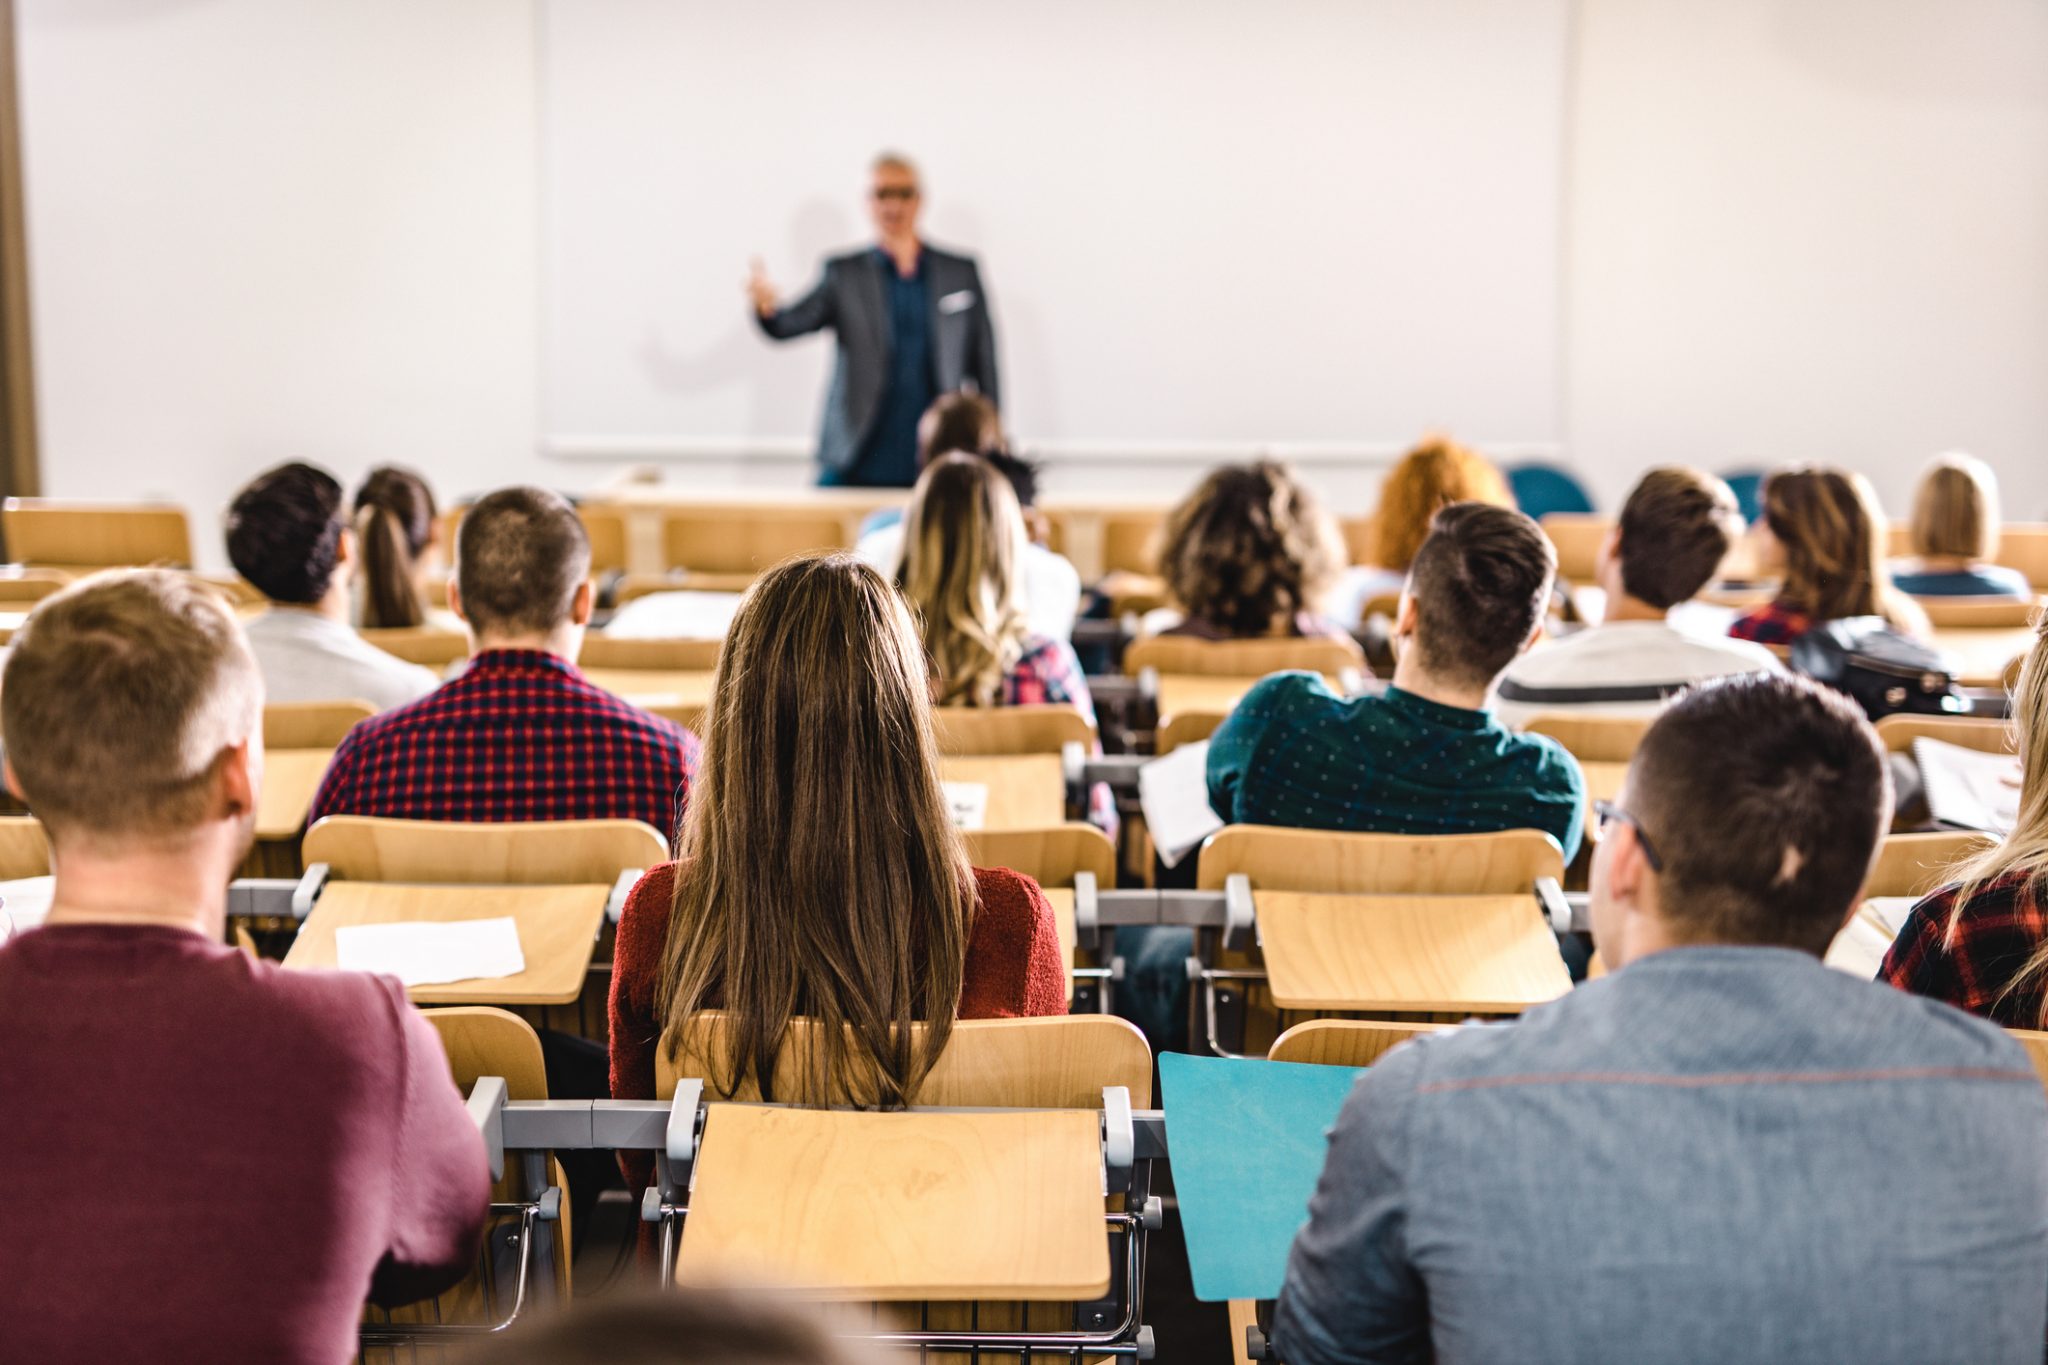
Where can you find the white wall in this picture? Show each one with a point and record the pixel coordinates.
(1810, 229)
(262, 231)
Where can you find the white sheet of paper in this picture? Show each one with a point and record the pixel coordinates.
(1967, 788)
(1174, 794)
(1892, 910)
(683, 614)
(969, 803)
(430, 952)
(24, 903)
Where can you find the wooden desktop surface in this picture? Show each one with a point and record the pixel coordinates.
(557, 932)
(1025, 791)
(1982, 656)
(1062, 901)
(290, 779)
(1484, 954)
(653, 687)
(894, 1206)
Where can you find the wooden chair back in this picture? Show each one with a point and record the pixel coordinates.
(1506, 863)
(1915, 864)
(2036, 1044)
(1344, 1042)
(92, 535)
(483, 1040)
(21, 590)
(311, 724)
(1594, 739)
(1188, 727)
(606, 527)
(24, 849)
(1361, 538)
(747, 541)
(430, 646)
(669, 656)
(688, 714)
(513, 853)
(1051, 856)
(2023, 545)
(1180, 654)
(1577, 537)
(1978, 613)
(1970, 732)
(1122, 541)
(1055, 1062)
(990, 731)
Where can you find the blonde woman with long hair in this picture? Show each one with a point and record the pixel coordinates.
(820, 875)
(1823, 534)
(1981, 944)
(964, 540)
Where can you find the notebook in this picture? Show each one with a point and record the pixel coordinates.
(1969, 789)
(1174, 794)
(1248, 1140)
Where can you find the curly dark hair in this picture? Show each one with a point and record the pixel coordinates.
(1249, 549)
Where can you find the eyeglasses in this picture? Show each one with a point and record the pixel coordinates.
(903, 192)
(1609, 812)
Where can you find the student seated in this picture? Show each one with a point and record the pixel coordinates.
(1720, 1151)
(820, 874)
(1675, 529)
(399, 529)
(1048, 586)
(1426, 757)
(286, 534)
(519, 733)
(1428, 479)
(1955, 535)
(1250, 554)
(1823, 534)
(208, 1158)
(1981, 942)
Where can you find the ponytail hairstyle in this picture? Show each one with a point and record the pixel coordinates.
(395, 515)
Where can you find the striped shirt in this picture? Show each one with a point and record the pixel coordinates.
(1295, 754)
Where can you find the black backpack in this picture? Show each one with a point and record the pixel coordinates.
(1883, 671)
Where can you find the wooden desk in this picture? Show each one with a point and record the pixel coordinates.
(557, 932)
(290, 779)
(1180, 692)
(1603, 780)
(654, 687)
(946, 1206)
(1982, 656)
(1482, 954)
(1025, 791)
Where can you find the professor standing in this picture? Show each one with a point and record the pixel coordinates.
(912, 323)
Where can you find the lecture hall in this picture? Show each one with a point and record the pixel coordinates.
(823, 684)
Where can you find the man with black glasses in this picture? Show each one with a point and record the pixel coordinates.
(1723, 1150)
(912, 322)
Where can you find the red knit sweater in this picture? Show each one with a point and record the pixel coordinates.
(1014, 966)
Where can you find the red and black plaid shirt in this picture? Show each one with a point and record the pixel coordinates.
(519, 734)
(1773, 623)
(2001, 927)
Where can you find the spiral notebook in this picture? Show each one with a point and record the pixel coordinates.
(1969, 789)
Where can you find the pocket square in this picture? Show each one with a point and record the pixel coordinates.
(959, 301)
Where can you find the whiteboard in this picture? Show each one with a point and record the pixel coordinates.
(1302, 221)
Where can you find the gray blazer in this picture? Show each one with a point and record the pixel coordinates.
(851, 298)
(1716, 1154)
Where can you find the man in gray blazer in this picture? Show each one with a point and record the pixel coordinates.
(912, 322)
(1721, 1151)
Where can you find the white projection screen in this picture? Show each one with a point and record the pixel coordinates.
(1204, 226)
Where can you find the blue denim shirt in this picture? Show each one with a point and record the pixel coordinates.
(1716, 1154)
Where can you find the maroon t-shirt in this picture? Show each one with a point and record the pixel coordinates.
(208, 1158)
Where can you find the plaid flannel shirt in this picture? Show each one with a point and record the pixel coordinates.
(2001, 927)
(1050, 673)
(1773, 623)
(518, 735)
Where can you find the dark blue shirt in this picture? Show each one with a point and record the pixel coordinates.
(888, 458)
(1979, 580)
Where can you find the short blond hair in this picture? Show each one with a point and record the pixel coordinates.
(120, 695)
(1955, 509)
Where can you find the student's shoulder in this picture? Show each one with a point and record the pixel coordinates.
(1004, 894)
(1909, 1030)
(331, 1011)
(1296, 690)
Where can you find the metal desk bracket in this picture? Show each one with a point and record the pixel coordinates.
(308, 890)
(1119, 1138)
(1239, 914)
(1551, 897)
(486, 1106)
(1087, 927)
